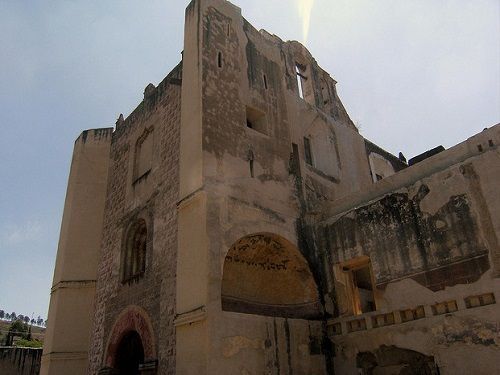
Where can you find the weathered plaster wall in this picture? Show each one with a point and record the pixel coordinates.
(433, 244)
(151, 197)
(249, 184)
(73, 287)
(228, 139)
(254, 344)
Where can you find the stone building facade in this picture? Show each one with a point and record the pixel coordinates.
(237, 223)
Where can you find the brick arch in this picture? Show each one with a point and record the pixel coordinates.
(133, 318)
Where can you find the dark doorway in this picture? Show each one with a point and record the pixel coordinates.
(362, 280)
(130, 354)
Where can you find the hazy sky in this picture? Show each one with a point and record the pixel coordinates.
(413, 74)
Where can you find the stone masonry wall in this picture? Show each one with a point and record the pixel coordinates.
(432, 243)
(152, 197)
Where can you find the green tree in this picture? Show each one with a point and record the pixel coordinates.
(17, 328)
(2, 314)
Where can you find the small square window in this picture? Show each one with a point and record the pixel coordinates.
(256, 120)
(480, 300)
(412, 314)
(444, 307)
(383, 320)
(356, 325)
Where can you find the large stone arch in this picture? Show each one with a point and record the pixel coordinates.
(266, 274)
(132, 319)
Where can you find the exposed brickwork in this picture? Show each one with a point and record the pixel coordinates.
(153, 198)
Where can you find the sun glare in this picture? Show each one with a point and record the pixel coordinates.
(305, 9)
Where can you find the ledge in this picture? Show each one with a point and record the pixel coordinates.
(189, 317)
(73, 284)
(343, 326)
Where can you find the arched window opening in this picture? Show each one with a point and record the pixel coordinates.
(134, 255)
(130, 354)
(265, 274)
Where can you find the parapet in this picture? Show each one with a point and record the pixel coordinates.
(95, 135)
(478, 144)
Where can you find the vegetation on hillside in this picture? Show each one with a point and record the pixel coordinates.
(24, 318)
(19, 334)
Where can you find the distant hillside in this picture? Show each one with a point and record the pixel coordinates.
(36, 332)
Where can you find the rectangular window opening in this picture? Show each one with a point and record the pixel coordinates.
(256, 120)
(363, 294)
(219, 59)
(251, 169)
(308, 151)
(300, 76)
(360, 290)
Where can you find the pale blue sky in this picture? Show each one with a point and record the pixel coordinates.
(413, 74)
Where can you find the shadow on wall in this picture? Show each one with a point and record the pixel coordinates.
(20, 361)
(391, 360)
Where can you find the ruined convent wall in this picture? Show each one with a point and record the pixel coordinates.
(73, 288)
(431, 235)
(143, 188)
(236, 222)
(244, 175)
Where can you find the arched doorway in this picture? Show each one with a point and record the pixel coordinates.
(265, 274)
(129, 354)
(130, 343)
